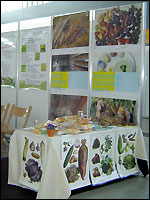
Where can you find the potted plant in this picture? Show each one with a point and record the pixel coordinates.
(51, 129)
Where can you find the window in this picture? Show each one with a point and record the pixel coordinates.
(15, 5)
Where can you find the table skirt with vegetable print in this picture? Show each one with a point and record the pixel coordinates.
(63, 163)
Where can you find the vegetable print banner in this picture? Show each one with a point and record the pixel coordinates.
(33, 153)
(125, 152)
(102, 158)
(75, 158)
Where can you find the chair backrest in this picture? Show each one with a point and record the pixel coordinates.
(4, 111)
(19, 112)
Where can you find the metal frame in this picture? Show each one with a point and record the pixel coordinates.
(142, 63)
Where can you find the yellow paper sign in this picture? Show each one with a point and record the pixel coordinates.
(59, 79)
(147, 36)
(103, 81)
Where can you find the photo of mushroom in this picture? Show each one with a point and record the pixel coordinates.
(112, 112)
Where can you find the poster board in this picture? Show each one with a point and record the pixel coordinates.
(117, 67)
(8, 59)
(34, 63)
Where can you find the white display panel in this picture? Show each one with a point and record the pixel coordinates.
(126, 87)
(117, 66)
(9, 65)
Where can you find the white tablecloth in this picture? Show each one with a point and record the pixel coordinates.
(54, 184)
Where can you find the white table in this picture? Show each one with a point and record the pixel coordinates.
(54, 184)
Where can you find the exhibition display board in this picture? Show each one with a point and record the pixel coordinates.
(89, 61)
(8, 58)
(34, 65)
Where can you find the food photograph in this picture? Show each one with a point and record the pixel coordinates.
(71, 31)
(116, 61)
(118, 25)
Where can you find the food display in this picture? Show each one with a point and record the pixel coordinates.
(118, 26)
(72, 124)
(66, 125)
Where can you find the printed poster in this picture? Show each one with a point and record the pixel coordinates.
(72, 74)
(120, 25)
(34, 58)
(8, 59)
(113, 112)
(67, 105)
(120, 64)
(33, 154)
(102, 157)
(117, 36)
(125, 152)
(71, 30)
(75, 159)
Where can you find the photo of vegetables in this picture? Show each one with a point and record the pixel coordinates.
(112, 112)
(71, 30)
(126, 152)
(33, 154)
(8, 81)
(75, 155)
(71, 62)
(102, 158)
(119, 25)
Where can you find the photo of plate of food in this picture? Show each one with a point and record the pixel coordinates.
(116, 62)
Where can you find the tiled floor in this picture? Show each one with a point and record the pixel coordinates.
(134, 187)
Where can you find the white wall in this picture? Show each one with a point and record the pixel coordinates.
(62, 7)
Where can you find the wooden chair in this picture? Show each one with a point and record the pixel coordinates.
(4, 111)
(18, 112)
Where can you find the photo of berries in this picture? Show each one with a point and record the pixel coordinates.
(118, 25)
